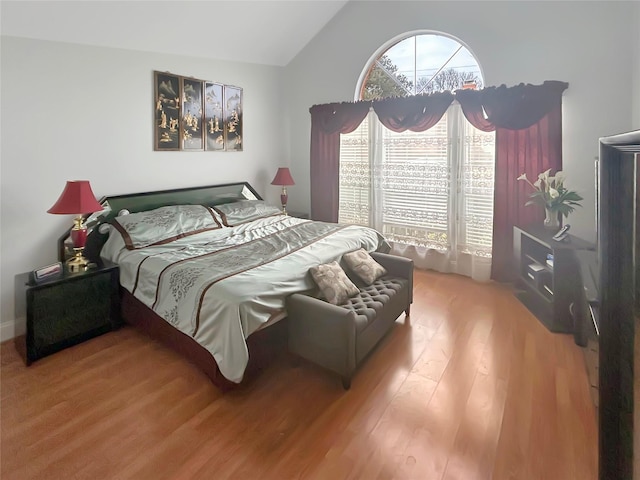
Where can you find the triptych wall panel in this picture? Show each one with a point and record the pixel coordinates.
(196, 115)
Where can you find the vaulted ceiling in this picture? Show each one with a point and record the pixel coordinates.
(270, 32)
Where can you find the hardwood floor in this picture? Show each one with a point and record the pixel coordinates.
(472, 386)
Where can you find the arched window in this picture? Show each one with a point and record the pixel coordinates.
(420, 64)
(430, 193)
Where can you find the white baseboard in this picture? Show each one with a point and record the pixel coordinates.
(9, 330)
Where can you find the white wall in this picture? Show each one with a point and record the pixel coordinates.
(588, 44)
(78, 112)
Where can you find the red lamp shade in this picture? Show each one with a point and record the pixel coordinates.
(76, 198)
(283, 177)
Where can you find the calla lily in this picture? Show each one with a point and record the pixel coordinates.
(524, 177)
(551, 194)
(544, 175)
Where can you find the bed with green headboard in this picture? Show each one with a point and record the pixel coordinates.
(216, 292)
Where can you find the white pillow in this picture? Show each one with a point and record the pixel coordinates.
(245, 211)
(164, 224)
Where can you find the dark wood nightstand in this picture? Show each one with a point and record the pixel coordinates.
(302, 215)
(66, 310)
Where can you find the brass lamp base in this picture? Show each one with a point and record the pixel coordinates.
(78, 263)
(283, 200)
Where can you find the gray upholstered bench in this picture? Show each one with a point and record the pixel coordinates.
(339, 337)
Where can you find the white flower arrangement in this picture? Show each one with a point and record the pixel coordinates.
(551, 193)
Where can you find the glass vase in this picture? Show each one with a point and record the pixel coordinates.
(551, 220)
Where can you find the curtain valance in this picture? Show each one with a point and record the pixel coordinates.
(344, 117)
(512, 108)
(417, 113)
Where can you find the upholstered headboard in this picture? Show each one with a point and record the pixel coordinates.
(137, 202)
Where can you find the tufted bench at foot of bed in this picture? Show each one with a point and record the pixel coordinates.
(339, 337)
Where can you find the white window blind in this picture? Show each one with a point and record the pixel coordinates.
(477, 186)
(416, 183)
(355, 176)
(430, 189)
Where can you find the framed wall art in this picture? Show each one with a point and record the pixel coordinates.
(233, 118)
(167, 111)
(213, 116)
(196, 115)
(192, 114)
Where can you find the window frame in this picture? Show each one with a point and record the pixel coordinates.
(364, 73)
(454, 152)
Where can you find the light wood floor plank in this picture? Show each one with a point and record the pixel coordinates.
(471, 386)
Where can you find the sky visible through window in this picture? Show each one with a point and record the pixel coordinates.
(425, 55)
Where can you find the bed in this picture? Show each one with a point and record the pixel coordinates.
(206, 270)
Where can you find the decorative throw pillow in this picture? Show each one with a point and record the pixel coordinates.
(365, 267)
(333, 282)
(164, 224)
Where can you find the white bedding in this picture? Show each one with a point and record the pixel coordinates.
(219, 286)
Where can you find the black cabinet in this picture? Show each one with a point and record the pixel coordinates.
(302, 215)
(66, 310)
(548, 275)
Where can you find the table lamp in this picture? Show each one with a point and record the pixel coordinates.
(77, 198)
(283, 177)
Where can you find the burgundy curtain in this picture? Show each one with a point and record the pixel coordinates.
(532, 151)
(327, 123)
(417, 113)
(528, 124)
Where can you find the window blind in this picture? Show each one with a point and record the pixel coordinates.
(355, 176)
(477, 186)
(432, 189)
(416, 183)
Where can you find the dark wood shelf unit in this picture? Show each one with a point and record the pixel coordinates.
(547, 290)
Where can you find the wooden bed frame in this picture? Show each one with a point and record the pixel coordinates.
(263, 344)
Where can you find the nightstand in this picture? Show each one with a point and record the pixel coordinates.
(66, 310)
(302, 215)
